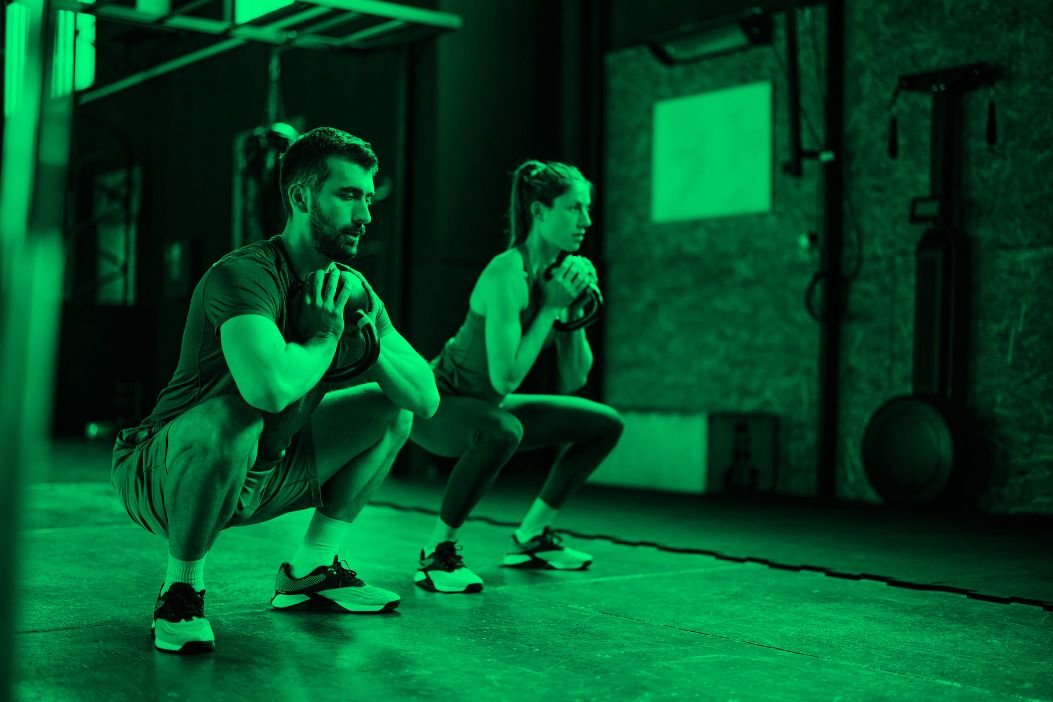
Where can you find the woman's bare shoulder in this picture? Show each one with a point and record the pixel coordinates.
(504, 269)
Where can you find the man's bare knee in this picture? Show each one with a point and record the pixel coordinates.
(389, 419)
(222, 439)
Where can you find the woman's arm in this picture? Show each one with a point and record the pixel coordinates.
(510, 353)
(573, 354)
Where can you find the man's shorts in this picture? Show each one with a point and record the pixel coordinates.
(140, 470)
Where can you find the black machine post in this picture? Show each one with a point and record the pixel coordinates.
(943, 261)
(915, 447)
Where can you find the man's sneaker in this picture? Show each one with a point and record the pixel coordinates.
(179, 621)
(444, 571)
(544, 551)
(333, 588)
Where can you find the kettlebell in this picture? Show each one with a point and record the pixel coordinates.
(358, 348)
(592, 305)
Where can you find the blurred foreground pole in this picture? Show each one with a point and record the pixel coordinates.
(35, 158)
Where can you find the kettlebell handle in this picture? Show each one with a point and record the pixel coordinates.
(372, 351)
(367, 330)
(592, 305)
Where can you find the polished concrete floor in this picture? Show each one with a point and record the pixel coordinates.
(688, 598)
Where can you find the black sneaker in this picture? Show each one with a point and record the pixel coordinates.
(179, 621)
(333, 588)
(444, 571)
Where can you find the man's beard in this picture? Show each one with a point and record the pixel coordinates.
(330, 241)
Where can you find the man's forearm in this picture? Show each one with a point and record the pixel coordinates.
(407, 381)
(301, 368)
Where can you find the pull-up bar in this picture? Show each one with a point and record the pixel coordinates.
(302, 23)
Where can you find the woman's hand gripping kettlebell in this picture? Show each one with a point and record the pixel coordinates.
(568, 281)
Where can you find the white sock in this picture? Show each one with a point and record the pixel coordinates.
(439, 533)
(539, 516)
(320, 544)
(190, 572)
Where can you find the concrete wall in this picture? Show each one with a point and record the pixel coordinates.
(708, 315)
(719, 302)
(1007, 209)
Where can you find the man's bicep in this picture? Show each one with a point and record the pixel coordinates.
(252, 347)
(239, 287)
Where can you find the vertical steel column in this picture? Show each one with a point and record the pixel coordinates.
(32, 191)
(584, 45)
(397, 265)
(794, 167)
(831, 253)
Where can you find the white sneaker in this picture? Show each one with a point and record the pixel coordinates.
(332, 588)
(179, 621)
(444, 571)
(545, 551)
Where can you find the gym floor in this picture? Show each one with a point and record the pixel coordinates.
(757, 600)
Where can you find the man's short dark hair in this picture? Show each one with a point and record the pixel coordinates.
(305, 161)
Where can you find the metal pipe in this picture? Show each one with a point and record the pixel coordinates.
(395, 11)
(331, 22)
(833, 222)
(183, 10)
(244, 33)
(794, 166)
(159, 70)
(267, 34)
(372, 32)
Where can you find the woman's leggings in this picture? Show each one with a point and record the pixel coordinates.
(484, 436)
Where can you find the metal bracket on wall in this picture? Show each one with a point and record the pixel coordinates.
(354, 25)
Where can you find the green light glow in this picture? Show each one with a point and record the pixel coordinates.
(248, 10)
(15, 57)
(62, 66)
(153, 7)
(84, 52)
(712, 154)
(73, 67)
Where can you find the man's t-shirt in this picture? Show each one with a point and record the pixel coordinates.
(255, 279)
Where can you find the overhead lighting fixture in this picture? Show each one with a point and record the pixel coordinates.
(713, 38)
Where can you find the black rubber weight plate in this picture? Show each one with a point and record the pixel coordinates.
(908, 451)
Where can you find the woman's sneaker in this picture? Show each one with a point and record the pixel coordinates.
(546, 552)
(179, 621)
(333, 588)
(444, 571)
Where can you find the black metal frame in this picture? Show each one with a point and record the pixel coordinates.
(755, 26)
(831, 255)
(304, 23)
(941, 333)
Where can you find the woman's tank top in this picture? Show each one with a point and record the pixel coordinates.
(462, 368)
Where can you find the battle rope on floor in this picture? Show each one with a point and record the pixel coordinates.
(894, 582)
